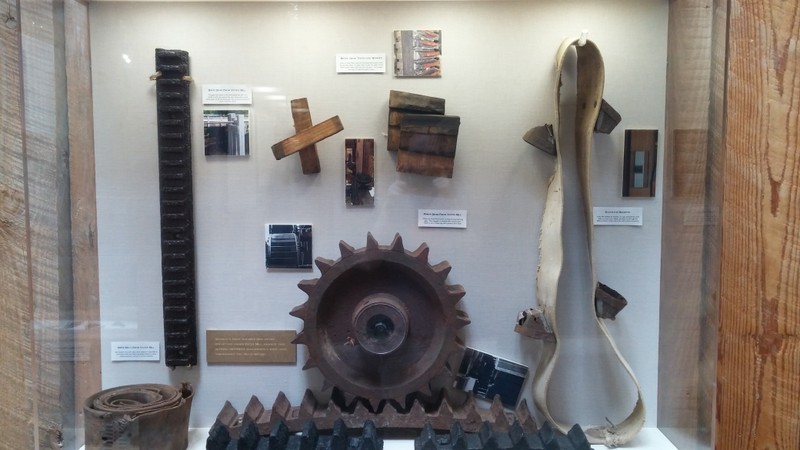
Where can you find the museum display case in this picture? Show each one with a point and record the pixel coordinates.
(459, 167)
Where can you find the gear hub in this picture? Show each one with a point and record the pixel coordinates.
(380, 323)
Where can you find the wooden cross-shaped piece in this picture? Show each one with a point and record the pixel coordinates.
(304, 141)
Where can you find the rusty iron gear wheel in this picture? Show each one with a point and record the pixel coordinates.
(380, 322)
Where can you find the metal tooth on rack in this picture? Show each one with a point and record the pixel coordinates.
(413, 415)
(175, 187)
(513, 439)
(280, 438)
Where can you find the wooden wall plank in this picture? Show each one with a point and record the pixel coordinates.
(46, 158)
(690, 230)
(759, 353)
(83, 208)
(16, 384)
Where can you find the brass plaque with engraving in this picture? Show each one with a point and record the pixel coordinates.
(250, 347)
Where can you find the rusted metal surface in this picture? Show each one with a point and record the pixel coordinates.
(143, 416)
(380, 323)
(441, 413)
(608, 302)
(532, 323)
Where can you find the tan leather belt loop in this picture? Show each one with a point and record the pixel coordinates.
(139, 417)
(590, 79)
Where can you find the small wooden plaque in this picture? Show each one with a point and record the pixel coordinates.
(250, 347)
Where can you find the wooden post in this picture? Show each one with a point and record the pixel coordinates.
(17, 388)
(758, 403)
(46, 195)
(85, 285)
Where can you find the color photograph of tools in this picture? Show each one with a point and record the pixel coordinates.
(418, 53)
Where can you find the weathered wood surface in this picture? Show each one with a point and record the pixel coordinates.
(301, 115)
(759, 349)
(416, 102)
(83, 208)
(430, 134)
(687, 337)
(403, 104)
(309, 136)
(424, 164)
(47, 156)
(16, 363)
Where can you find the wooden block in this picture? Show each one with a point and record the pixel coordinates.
(430, 134)
(402, 104)
(424, 164)
(395, 118)
(307, 137)
(416, 102)
(309, 159)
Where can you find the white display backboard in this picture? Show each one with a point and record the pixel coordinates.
(497, 75)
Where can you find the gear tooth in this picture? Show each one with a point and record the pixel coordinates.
(447, 370)
(397, 243)
(300, 338)
(307, 286)
(372, 243)
(421, 253)
(455, 293)
(299, 311)
(445, 410)
(425, 389)
(347, 398)
(324, 264)
(462, 319)
(310, 364)
(417, 410)
(346, 249)
(442, 269)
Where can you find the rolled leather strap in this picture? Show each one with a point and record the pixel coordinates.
(590, 79)
(139, 416)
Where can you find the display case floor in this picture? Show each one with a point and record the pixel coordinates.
(648, 439)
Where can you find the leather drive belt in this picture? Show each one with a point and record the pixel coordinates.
(541, 322)
(139, 416)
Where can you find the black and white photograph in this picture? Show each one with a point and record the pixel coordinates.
(288, 246)
(488, 375)
(226, 132)
(359, 170)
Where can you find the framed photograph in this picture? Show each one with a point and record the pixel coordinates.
(288, 246)
(359, 172)
(418, 53)
(488, 375)
(226, 132)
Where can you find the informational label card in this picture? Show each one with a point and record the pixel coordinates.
(610, 215)
(250, 347)
(135, 351)
(227, 94)
(442, 218)
(360, 63)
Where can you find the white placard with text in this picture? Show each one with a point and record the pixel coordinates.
(135, 351)
(612, 215)
(442, 218)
